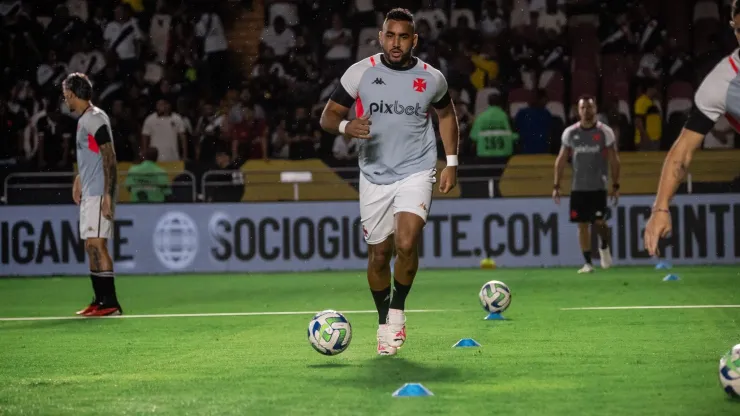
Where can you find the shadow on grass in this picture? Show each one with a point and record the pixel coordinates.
(389, 373)
(14, 325)
(330, 365)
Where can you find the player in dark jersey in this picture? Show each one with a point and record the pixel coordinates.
(94, 191)
(393, 94)
(593, 149)
(717, 96)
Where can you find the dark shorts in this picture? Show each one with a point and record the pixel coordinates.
(587, 206)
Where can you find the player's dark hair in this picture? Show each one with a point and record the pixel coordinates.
(152, 154)
(586, 97)
(735, 8)
(401, 15)
(80, 85)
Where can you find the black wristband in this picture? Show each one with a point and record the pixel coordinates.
(556, 187)
(615, 186)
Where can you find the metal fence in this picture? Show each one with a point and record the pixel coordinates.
(228, 185)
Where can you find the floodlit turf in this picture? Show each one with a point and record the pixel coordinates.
(542, 360)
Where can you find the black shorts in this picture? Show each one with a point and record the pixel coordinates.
(587, 206)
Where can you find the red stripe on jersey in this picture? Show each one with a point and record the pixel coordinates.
(425, 66)
(359, 109)
(372, 60)
(733, 122)
(92, 144)
(734, 65)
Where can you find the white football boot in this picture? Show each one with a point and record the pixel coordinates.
(587, 268)
(383, 346)
(606, 258)
(396, 328)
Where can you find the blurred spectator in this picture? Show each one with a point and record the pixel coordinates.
(123, 38)
(491, 133)
(649, 32)
(146, 181)
(228, 184)
(50, 75)
(249, 137)
(534, 124)
(215, 45)
(278, 37)
(305, 134)
(165, 130)
(551, 16)
(648, 118)
(338, 43)
(87, 59)
(159, 32)
(53, 133)
(124, 132)
(651, 64)
(280, 142)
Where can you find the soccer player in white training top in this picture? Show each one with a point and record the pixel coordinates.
(394, 93)
(94, 191)
(717, 96)
(593, 147)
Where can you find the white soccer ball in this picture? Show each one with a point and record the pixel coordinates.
(329, 332)
(495, 296)
(729, 371)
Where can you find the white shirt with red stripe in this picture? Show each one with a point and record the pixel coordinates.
(719, 93)
(399, 101)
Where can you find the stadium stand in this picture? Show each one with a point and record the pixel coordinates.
(240, 77)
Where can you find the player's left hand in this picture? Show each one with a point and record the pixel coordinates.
(107, 207)
(615, 197)
(448, 179)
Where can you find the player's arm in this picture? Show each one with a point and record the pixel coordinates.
(333, 118)
(676, 166)
(448, 127)
(447, 115)
(612, 154)
(562, 159)
(108, 154)
(709, 106)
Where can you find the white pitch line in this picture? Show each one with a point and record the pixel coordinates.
(612, 308)
(194, 315)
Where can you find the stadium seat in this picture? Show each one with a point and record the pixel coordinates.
(554, 85)
(466, 13)
(678, 105)
(680, 90)
(288, 11)
(557, 110)
(367, 34)
(706, 10)
(518, 98)
(481, 99)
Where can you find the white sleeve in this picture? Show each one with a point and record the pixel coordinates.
(146, 129)
(440, 84)
(610, 139)
(565, 138)
(710, 97)
(350, 81)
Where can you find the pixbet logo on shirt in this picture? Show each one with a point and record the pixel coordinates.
(397, 108)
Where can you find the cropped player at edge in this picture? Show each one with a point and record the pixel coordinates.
(718, 95)
(94, 191)
(392, 93)
(593, 148)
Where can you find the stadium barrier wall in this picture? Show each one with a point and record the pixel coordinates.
(305, 236)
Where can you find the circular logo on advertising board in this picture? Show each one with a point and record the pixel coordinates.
(176, 240)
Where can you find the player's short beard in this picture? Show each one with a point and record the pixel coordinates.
(405, 58)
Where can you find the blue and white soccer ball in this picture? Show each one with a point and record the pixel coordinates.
(329, 332)
(729, 372)
(495, 296)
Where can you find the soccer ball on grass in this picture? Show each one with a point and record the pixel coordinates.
(329, 332)
(495, 296)
(729, 372)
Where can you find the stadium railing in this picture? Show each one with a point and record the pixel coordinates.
(41, 188)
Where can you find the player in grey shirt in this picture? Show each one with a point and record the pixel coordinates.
(394, 95)
(593, 149)
(94, 191)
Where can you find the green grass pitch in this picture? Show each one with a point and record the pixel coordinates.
(542, 360)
